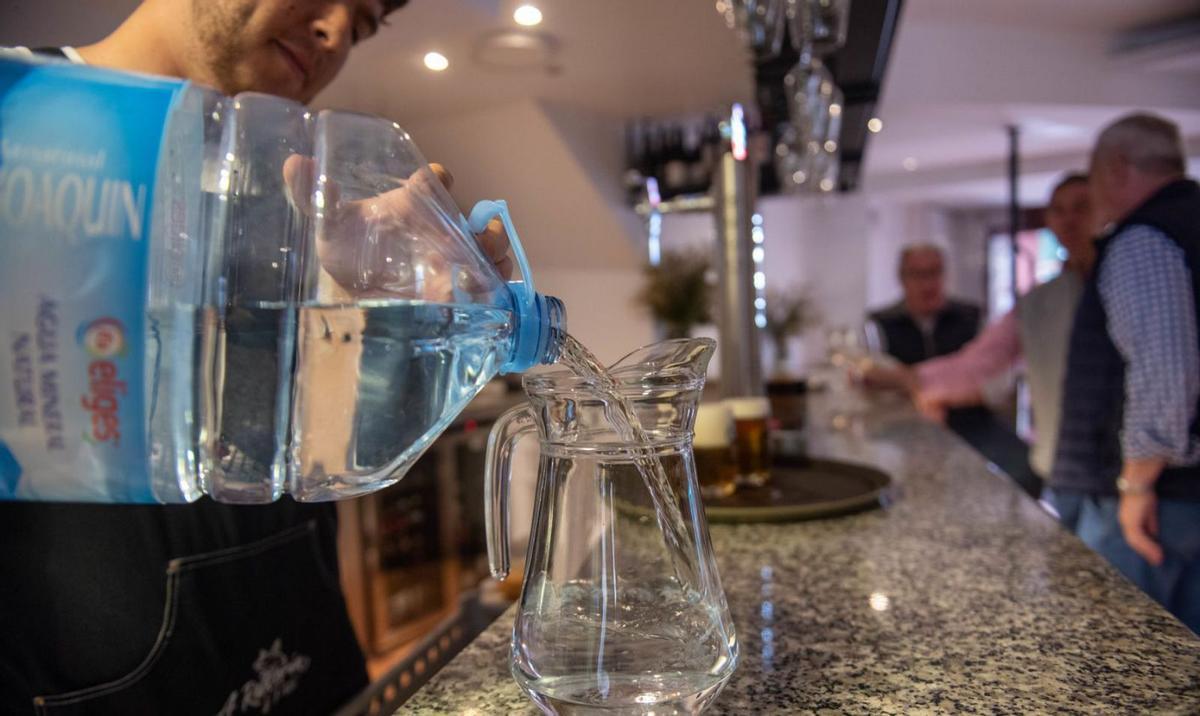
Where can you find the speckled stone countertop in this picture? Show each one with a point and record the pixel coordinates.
(961, 596)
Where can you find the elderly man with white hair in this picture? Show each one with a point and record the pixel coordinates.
(925, 323)
(1126, 474)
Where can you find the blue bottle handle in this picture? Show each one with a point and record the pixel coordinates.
(482, 213)
(532, 329)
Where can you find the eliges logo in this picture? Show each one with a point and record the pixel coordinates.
(103, 338)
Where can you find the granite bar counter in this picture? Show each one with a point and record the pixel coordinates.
(961, 595)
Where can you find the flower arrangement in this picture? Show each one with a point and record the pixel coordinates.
(788, 314)
(677, 292)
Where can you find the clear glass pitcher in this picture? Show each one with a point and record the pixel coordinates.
(622, 608)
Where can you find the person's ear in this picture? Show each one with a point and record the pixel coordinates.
(1120, 173)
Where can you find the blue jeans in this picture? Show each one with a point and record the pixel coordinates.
(1175, 583)
(1068, 505)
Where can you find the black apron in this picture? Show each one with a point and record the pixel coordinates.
(94, 620)
(258, 628)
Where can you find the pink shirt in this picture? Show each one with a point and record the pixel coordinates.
(961, 374)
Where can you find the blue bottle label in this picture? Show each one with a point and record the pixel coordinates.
(79, 149)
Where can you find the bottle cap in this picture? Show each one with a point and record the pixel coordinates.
(539, 320)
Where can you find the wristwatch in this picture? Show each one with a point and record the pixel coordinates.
(1125, 487)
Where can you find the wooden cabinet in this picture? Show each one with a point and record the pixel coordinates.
(407, 551)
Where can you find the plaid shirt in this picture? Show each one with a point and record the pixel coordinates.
(1146, 289)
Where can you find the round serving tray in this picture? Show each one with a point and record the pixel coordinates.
(803, 489)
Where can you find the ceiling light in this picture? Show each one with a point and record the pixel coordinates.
(527, 15)
(910, 163)
(436, 61)
(830, 146)
(835, 110)
(875, 124)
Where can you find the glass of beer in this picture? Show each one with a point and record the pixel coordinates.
(751, 445)
(716, 465)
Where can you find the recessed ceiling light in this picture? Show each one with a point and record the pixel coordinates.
(910, 163)
(436, 61)
(875, 124)
(830, 146)
(528, 15)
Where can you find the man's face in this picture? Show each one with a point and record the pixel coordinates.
(1070, 217)
(923, 279)
(290, 48)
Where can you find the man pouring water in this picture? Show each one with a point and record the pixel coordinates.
(199, 608)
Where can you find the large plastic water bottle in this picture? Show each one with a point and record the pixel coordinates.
(236, 297)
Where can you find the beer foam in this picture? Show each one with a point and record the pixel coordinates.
(714, 425)
(749, 408)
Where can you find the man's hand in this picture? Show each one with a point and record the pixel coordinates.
(934, 402)
(1137, 512)
(495, 244)
(931, 405)
(877, 375)
(367, 245)
(494, 241)
(1138, 515)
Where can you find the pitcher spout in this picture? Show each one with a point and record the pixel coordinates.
(680, 359)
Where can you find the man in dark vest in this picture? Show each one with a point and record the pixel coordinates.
(925, 324)
(1126, 474)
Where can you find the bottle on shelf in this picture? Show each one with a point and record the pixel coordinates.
(635, 149)
(652, 158)
(675, 167)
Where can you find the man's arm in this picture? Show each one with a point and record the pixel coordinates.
(1147, 294)
(964, 372)
(957, 379)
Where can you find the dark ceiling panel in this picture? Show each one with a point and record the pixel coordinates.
(858, 69)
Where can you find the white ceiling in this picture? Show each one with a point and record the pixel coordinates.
(617, 57)
(43, 23)
(963, 70)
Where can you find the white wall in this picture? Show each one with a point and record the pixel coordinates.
(600, 308)
(559, 169)
(893, 225)
(844, 250)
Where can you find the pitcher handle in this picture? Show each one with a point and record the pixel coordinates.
(497, 477)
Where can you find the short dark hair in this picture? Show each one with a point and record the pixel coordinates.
(390, 5)
(1069, 179)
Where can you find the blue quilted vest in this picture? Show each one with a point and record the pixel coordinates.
(1089, 451)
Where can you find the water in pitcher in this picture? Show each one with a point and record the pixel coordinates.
(579, 359)
(641, 638)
